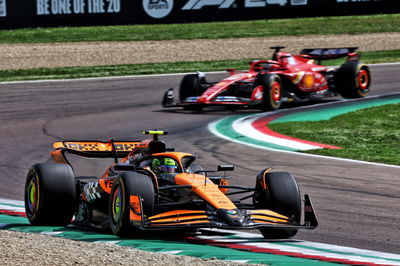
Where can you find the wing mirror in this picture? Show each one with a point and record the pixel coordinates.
(226, 167)
(231, 71)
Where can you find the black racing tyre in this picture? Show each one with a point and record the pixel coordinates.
(50, 194)
(125, 185)
(352, 80)
(190, 86)
(282, 196)
(272, 91)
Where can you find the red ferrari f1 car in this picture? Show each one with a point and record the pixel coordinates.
(150, 187)
(284, 78)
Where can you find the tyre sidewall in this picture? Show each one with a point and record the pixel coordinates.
(269, 83)
(55, 196)
(127, 184)
(347, 81)
(190, 86)
(281, 195)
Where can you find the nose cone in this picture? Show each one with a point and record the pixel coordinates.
(232, 217)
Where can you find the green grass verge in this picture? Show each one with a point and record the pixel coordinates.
(370, 134)
(212, 30)
(118, 70)
(159, 68)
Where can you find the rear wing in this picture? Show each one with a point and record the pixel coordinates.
(330, 53)
(95, 149)
(106, 149)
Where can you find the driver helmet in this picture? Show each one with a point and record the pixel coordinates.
(164, 166)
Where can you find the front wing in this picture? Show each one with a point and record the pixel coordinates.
(169, 101)
(252, 219)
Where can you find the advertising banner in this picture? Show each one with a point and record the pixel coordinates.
(34, 13)
(77, 7)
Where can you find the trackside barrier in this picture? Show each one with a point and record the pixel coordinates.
(36, 13)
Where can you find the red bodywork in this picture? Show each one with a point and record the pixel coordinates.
(301, 78)
(302, 72)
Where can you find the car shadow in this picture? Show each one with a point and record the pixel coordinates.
(240, 110)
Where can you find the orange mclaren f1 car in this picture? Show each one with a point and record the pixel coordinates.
(150, 187)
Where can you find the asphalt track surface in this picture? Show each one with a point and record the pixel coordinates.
(358, 205)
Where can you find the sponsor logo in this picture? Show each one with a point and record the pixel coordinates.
(298, 2)
(354, 1)
(3, 8)
(308, 81)
(95, 146)
(263, 3)
(83, 146)
(158, 8)
(199, 4)
(125, 147)
(108, 182)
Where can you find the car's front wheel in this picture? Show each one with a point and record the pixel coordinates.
(280, 194)
(129, 184)
(272, 91)
(191, 85)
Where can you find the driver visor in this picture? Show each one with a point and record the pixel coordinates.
(168, 168)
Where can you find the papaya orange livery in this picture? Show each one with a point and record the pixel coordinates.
(150, 186)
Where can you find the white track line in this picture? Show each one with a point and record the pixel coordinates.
(242, 237)
(244, 126)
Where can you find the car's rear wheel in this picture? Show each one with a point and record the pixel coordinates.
(281, 195)
(352, 80)
(50, 194)
(126, 185)
(272, 91)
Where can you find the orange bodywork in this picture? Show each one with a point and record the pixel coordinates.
(58, 156)
(179, 217)
(185, 195)
(201, 185)
(206, 189)
(106, 184)
(267, 216)
(135, 213)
